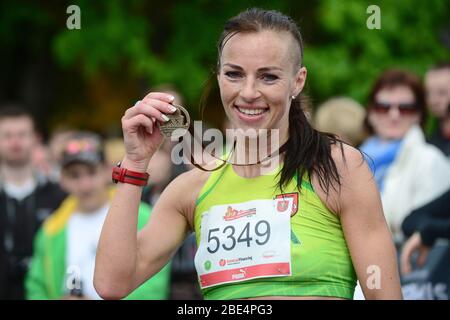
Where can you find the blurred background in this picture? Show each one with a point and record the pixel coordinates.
(86, 78)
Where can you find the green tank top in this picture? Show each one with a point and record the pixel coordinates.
(320, 261)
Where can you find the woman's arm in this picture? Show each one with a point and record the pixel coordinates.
(368, 238)
(125, 259)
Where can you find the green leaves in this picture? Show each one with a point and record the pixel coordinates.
(174, 41)
(348, 56)
(110, 34)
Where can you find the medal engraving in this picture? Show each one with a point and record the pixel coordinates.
(180, 119)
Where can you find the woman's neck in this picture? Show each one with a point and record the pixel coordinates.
(253, 148)
(258, 155)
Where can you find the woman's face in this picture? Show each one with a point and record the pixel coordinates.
(394, 112)
(257, 77)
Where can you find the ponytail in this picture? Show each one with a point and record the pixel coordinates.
(308, 151)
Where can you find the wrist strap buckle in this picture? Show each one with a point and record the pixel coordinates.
(127, 176)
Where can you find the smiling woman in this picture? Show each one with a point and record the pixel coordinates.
(306, 230)
(256, 89)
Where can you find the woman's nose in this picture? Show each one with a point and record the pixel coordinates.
(394, 111)
(249, 91)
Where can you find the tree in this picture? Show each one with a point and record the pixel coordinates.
(88, 77)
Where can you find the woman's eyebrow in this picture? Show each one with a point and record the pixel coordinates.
(234, 66)
(264, 69)
(271, 68)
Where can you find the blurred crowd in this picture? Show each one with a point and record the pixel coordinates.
(54, 195)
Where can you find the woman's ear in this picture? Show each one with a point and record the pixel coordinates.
(217, 72)
(300, 79)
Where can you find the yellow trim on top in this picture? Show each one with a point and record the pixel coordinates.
(57, 221)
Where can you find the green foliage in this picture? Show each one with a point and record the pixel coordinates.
(174, 41)
(348, 56)
(110, 35)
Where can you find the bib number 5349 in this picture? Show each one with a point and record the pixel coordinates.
(228, 234)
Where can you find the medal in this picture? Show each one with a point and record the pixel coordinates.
(180, 119)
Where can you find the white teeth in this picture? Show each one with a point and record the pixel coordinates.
(251, 111)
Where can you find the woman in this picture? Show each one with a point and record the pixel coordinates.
(251, 248)
(409, 172)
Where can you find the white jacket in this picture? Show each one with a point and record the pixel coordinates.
(419, 174)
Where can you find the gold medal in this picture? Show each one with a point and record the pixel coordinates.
(180, 119)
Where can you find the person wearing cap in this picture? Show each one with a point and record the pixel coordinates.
(63, 263)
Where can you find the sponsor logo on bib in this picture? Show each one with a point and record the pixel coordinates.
(233, 214)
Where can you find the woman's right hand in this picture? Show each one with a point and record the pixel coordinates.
(142, 136)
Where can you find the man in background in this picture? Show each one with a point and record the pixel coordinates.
(437, 85)
(26, 198)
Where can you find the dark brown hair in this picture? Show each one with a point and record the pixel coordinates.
(440, 66)
(392, 78)
(10, 110)
(255, 20)
(307, 150)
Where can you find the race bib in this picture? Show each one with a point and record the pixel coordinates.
(244, 241)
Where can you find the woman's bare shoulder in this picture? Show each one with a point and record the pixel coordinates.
(346, 157)
(184, 190)
(351, 167)
(190, 179)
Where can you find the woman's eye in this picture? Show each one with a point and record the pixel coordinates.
(269, 77)
(233, 74)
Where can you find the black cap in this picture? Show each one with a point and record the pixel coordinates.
(83, 147)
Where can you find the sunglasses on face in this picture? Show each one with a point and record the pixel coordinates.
(403, 108)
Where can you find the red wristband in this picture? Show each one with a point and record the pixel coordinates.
(127, 176)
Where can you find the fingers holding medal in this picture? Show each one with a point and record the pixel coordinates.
(178, 123)
(145, 125)
(172, 120)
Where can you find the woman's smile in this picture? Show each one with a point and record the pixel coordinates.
(251, 114)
